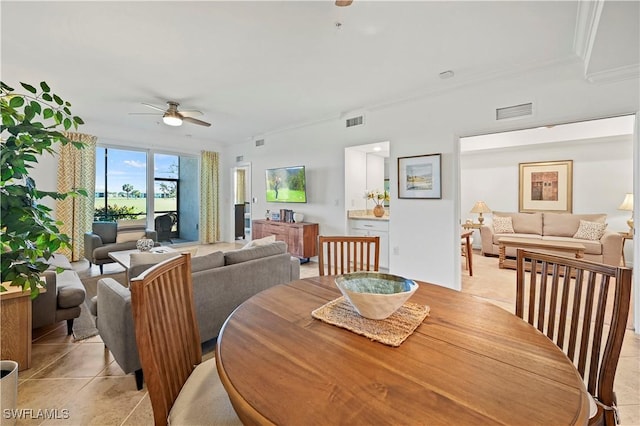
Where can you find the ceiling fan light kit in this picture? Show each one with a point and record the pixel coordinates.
(172, 117)
(172, 120)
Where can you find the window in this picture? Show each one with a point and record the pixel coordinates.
(121, 184)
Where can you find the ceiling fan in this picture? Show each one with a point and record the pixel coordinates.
(172, 117)
(343, 3)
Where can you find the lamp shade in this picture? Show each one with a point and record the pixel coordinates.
(627, 204)
(480, 207)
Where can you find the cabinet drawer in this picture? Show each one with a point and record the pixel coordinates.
(369, 225)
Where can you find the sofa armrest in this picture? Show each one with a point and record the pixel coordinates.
(295, 268)
(486, 235)
(91, 242)
(43, 307)
(115, 323)
(611, 248)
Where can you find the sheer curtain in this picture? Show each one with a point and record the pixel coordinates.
(209, 189)
(76, 170)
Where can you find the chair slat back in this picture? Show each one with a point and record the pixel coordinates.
(166, 329)
(343, 254)
(582, 307)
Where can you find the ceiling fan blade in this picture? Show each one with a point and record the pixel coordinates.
(195, 121)
(154, 107)
(190, 113)
(343, 3)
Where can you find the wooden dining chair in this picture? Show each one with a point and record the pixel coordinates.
(182, 389)
(582, 307)
(344, 254)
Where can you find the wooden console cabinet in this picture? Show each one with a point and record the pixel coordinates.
(301, 238)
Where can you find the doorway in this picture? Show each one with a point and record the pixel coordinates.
(604, 154)
(241, 181)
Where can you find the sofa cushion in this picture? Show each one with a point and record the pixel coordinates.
(523, 223)
(243, 255)
(131, 230)
(590, 230)
(590, 246)
(140, 261)
(58, 261)
(260, 242)
(103, 252)
(503, 225)
(566, 224)
(71, 292)
(209, 261)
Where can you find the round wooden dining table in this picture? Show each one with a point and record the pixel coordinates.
(468, 363)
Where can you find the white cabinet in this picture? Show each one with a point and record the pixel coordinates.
(373, 228)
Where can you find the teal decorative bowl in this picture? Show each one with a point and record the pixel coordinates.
(375, 295)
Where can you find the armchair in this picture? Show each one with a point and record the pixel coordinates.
(114, 236)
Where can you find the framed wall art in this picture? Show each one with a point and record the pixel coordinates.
(420, 176)
(546, 186)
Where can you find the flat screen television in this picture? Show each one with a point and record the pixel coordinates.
(286, 185)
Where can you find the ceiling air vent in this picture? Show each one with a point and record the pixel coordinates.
(355, 121)
(259, 142)
(515, 111)
(239, 158)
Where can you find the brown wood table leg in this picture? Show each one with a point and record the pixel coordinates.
(469, 255)
(501, 255)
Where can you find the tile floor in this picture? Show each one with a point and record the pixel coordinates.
(80, 384)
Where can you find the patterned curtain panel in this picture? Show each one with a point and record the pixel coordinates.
(76, 170)
(241, 196)
(209, 188)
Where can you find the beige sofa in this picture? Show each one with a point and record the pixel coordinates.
(554, 227)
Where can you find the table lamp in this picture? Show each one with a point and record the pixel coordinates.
(627, 204)
(480, 207)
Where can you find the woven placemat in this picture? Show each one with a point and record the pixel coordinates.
(391, 331)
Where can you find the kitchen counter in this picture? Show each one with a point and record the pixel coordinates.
(366, 214)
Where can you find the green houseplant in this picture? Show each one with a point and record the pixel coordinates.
(32, 124)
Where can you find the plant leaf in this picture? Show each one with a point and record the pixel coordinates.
(16, 101)
(45, 87)
(29, 88)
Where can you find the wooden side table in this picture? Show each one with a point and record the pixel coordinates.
(625, 236)
(471, 225)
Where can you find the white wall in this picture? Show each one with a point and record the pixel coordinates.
(424, 233)
(424, 238)
(602, 175)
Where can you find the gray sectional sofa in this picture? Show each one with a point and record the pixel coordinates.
(221, 282)
(554, 227)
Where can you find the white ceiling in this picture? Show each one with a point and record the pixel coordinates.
(257, 67)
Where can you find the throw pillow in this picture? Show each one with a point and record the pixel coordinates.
(131, 230)
(260, 242)
(503, 225)
(590, 230)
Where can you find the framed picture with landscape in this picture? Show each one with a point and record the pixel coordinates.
(420, 176)
(546, 186)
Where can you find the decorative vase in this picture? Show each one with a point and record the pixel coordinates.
(378, 210)
(298, 217)
(145, 244)
(9, 394)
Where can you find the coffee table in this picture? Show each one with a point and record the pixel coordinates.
(544, 245)
(123, 257)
